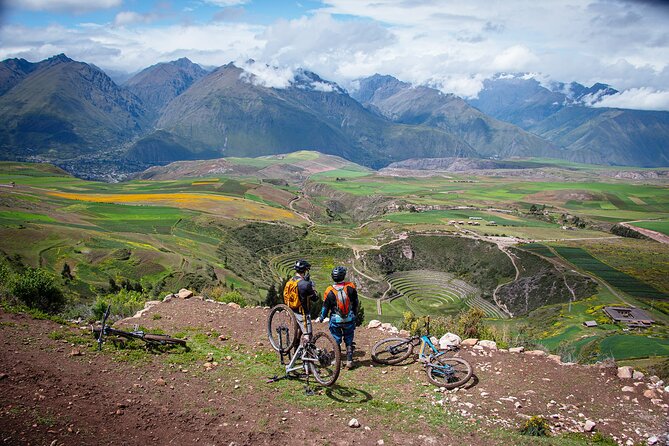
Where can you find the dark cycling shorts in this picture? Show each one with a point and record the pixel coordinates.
(343, 330)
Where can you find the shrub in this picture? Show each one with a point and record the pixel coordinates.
(470, 323)
(535, 427)
(124, 303)
(232, 296)
(37, 288)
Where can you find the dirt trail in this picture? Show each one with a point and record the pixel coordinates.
(55, 387)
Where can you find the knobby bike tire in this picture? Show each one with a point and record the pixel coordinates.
(448, 372)
(281, 316)
(328, 358)
(392, 350)
(163, 339)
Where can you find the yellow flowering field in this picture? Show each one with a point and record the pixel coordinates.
(221, 205)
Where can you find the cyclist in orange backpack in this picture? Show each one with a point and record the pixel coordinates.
(341, 302)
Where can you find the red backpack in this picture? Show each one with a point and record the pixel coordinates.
(343, 301)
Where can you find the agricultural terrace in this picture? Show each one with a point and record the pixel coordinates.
(434, 292)
(628, 284)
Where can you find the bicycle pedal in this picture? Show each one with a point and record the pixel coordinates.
(309, 391)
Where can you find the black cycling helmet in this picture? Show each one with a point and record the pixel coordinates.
(338, 273)
(301, 266)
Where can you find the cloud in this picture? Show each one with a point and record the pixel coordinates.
(515, 58)
(266, 76)
(74, 6)
(635, 98)
(124, 18)
(225, 3)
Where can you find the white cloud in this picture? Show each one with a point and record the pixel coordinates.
(124, 18)
(635, 98)
(75, 6)
(265, 75)
(226, 2)
(515, 58)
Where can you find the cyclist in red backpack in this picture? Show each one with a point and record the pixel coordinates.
(341, 303)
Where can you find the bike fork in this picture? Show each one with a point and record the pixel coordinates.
(283, 332)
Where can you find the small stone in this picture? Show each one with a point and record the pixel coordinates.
(381, 442)
(469, 342)
(222, 338)
(76, 352)
(652, 440)
(556, 358)
(650, 393)
(589, 426)
(516, 349)
(492, 345)
(374, 324)
(625, 372)
(161, 382)
(628, 389)
(354, 423)
(233, 305)
(536, 353)
(637, 375)
(185, 294)
(3, 376)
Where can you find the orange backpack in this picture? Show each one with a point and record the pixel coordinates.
(290, 294)
(343, 301)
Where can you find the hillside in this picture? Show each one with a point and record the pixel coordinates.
(64, 109)
(407, 104)
(231, 111)
(58, 388)
(158, 84)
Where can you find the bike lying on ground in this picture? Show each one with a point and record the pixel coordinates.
(443, 371)
(151, 340)
(314, 354)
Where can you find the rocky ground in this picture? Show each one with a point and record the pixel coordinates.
(55, 388)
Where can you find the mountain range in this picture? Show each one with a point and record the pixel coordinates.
(60, 109)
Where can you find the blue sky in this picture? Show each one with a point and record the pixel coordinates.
(453, 45)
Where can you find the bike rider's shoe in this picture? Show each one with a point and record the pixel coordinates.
(349, 365)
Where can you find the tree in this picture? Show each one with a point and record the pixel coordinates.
(360, 317)
(113, 288)
(66, 273)
(272, 298)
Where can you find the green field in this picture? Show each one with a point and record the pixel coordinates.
(630, 285)
(659, 226)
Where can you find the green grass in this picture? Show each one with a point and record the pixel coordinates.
(659, 226)
(630, 285)
(634, 346)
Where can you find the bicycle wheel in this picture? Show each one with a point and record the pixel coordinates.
(163, 340)
(327, 364)
(392, 350)
(448, 372)
(282, 329)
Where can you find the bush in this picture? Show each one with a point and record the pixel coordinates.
(124, 303)
(535, 427)
(232, 296)
(470, 323)
(37, 288)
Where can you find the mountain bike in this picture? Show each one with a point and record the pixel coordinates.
(314, 354)
(443, 371)
(151, 340)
